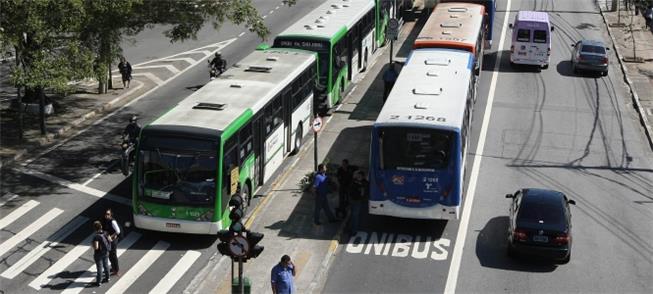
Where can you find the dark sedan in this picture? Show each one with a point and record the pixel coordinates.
(590, 55)
(540, 224)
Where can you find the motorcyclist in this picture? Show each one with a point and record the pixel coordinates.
(132, 130)
(218, 63)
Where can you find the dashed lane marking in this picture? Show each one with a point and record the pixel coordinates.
(241, 34)
(8, 197)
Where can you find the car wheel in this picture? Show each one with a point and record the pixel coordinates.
(510, 252)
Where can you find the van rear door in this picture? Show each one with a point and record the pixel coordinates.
(540, 45)
(522, 44)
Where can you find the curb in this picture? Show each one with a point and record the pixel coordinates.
(63, 130)
(634, 96)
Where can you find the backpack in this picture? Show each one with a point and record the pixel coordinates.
(105, 244)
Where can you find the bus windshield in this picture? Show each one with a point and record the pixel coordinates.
(180, 177)
(415, 149)
(320, 47)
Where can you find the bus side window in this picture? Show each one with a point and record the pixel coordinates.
(245, 142)
(229, 161)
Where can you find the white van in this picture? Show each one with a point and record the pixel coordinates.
(531, 39)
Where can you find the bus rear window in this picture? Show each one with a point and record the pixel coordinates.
(539, 36)
(524, 35)
(415, 149)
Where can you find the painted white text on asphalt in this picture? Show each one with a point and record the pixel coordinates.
(398, 245)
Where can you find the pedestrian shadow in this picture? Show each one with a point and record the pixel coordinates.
(491, 249)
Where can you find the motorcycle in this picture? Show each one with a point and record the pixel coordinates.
(216, 70)
(126, 156)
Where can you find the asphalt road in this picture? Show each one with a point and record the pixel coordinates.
(43, 229)
(549, 129)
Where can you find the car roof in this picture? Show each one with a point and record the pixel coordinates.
(592, 42)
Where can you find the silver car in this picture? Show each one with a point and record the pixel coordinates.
(590, 55)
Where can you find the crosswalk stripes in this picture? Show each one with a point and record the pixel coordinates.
(29, 230)
(89, 277)
(139, 268)
(70, 257)
(39, 251)
(176, 272)
(17, 213)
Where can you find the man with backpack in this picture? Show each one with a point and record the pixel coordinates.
(113, 231)
(101, 248)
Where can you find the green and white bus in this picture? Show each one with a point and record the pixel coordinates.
(228, 137)
(344, 33)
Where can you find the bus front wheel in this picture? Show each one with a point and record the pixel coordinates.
(245, 195)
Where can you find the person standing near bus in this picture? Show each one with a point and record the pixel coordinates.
(101, 248)
(345, 174)
(283, 276)
(113, 231)
(321, 190)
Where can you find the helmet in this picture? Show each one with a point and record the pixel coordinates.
(133, 119)
(217, 54)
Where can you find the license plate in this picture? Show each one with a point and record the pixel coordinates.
(173, 225)
(542, 239)
(413, 200)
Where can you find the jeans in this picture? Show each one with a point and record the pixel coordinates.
(322, 203)
(354, 218)
(101, 265)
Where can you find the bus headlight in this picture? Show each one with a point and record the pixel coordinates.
(207, 216)
(142, 210)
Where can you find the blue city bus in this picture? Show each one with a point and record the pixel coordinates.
(490, 10)
(419, 140)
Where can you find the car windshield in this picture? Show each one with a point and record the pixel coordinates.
(592, 49)
(547, 212)
(178, 176)
(415, 149)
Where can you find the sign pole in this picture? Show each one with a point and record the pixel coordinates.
(240, 275)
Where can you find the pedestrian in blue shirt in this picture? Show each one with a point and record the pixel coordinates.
(283, 275)
(321, 189)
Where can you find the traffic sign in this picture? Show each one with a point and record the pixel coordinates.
(239, 246)
(393, 29)
(316, 124)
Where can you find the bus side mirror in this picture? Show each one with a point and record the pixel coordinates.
(572, 202)
(510, 196)
(552, 28)
(510, 25)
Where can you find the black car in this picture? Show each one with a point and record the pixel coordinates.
(540, 224)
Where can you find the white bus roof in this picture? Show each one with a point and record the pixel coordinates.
(433, 84)
(452, 25)
(249, 84)
(329, 18)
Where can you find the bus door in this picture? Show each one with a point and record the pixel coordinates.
(287, 115)
(258, 129)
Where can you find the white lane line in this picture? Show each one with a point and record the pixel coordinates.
(77, 187)
(241, 34)
(151, 76)
(9, 197)
(264, 17)
(271, 11)
(205, 52)
(185, 59)
(42, 249)
(649, 111)
(176, 272)
(17, 213)
(223, 44)
(169, 67)
(73, 255)
(277, 7)
(89, 276)
(99, 174)
(139, 268)
(452, 277)
(29, 230)
(219, 44)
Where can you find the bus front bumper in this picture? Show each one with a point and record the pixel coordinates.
(390, 208)
(175, 225)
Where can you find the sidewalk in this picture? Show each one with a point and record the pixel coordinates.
(637, 64)
(285, 215)
(81, 108)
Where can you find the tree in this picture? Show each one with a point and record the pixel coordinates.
(48, 53)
